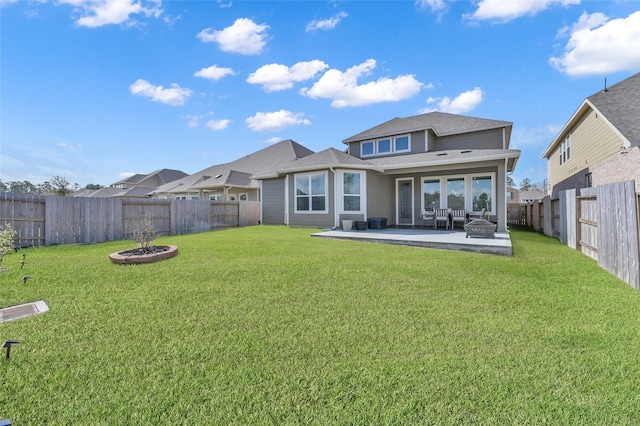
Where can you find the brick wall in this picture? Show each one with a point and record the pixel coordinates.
(619, 167)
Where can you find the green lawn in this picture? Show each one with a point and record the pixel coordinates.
(267, 325)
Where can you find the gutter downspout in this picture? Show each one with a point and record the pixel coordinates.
(506, 167)
(336, 220)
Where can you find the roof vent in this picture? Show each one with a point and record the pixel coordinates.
(466, 151)
(217, 176)
(442, 153)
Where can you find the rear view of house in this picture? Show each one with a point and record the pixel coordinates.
(395, 170)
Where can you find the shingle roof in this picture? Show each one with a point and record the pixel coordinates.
(334, 158)
(441, 123)
(264, 161)
(325, 159)
(620, 104)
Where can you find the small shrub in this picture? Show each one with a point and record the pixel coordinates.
(7, 242)
(144, 232)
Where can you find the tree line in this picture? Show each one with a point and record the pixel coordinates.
(57, 185)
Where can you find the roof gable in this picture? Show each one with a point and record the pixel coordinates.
(440, 123)
(618, 104)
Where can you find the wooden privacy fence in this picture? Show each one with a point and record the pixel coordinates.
(602, 222)
(47, 220)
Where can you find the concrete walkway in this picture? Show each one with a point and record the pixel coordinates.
(446, 240)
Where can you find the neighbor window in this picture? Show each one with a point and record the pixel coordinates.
(215, 197)
(311, 192)
(565, 150)
(244, 196)
(351, 192)
(588, 182)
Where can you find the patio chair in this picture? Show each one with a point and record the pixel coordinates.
(458, 216)
(441, 214)
(427, 216)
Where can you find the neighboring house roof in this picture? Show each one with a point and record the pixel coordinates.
(530, 195)
(619, 105)
(241, 171)
(163, 176)
(328, 158)
(442, 124)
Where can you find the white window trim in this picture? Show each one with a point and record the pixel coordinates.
(363, 192)
(468, 190)
(392, 142)
(326, 194)
(565, 150)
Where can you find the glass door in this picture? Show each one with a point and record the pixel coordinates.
(404, 201)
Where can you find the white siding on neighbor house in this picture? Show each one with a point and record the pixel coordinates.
(592, 140)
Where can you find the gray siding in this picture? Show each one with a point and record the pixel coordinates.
(273, 201)
(381, 198)
(488, 139)
(313, 220)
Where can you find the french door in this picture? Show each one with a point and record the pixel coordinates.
(404, 201)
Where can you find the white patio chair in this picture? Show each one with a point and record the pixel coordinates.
(441, 214)
(458, 216)
(427, 215)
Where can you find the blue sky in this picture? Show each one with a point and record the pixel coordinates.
(93, 90)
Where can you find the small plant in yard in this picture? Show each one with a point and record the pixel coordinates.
(7, 241)
(144, 233)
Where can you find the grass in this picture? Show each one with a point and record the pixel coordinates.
(266, 325)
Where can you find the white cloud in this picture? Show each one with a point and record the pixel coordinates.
(343, 88)
(214, 72)
(598, 45)
(326, 24)
(464, 102)
(244, 37)
(274, 77)
(508, 10)
(96, 13)
(218, 124)
(275, 121)
(123, 175)
(274, 139)
(68, 145)
(434, 5)
(175, 95)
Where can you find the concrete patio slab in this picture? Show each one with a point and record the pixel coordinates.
(446, 240)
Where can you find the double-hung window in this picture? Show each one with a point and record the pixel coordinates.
(351, 190)
(565, 150)
(311, 192)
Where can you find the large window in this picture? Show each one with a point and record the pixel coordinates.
(385, 146)
(565, 150)
(431, 191)
(351, 191)
(472, 192)
(455, 193)
(311, 192)
(482, 193)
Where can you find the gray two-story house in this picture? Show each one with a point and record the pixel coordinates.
(396, 170)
